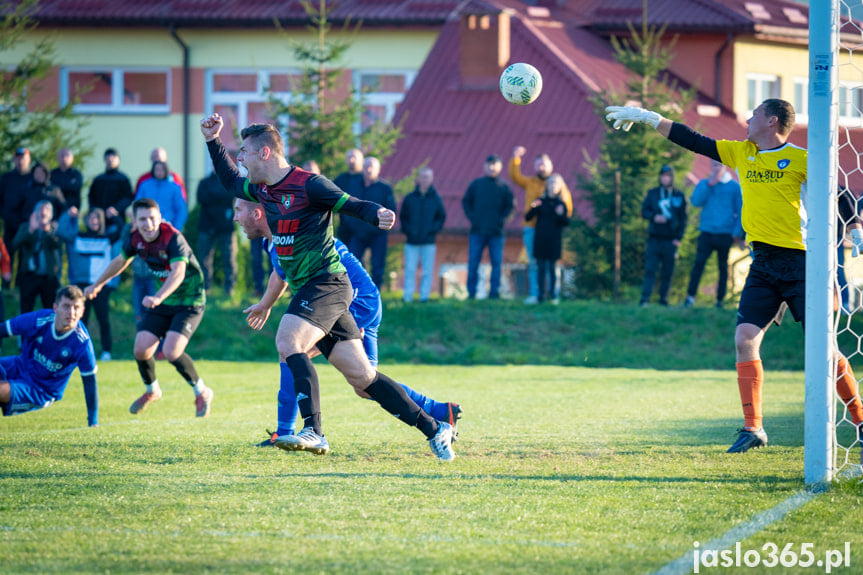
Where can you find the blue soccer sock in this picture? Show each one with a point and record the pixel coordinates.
(287, 411)
(434, 408)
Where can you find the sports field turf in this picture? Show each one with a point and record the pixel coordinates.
(558, 470)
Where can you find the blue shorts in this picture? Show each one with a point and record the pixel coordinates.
(370, 343)
(24, 396)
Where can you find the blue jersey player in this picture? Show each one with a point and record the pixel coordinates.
(365, 307)
(53, 343)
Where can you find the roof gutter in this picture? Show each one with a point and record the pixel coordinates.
(186, 101)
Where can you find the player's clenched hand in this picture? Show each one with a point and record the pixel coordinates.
(211, 126)
(386, 218)
(150, 301)
(624, 116)
(92, 291)
(257, 315)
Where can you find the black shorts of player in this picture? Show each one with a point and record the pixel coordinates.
(323, 302)
(776, 275)
(183, 319)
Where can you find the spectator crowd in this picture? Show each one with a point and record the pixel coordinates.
(51, 227)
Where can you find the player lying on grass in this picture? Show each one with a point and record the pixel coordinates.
(174, 312)
(772, 176)
(53, 343)
(299, 208)
(366, 308)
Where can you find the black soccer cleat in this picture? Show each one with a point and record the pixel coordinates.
(270, 441)
(453, 414)
(748, 439)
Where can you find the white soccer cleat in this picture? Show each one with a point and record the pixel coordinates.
(145, 400)
(203, 403)
(305, 440)
(441, 443)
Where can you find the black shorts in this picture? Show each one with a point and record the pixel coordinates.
(777, 275)
(344, 329)
(183, 319)
(323, 302)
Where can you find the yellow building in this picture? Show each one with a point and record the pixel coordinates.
(152, 72)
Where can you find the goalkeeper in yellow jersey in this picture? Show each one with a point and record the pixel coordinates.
(772, 175)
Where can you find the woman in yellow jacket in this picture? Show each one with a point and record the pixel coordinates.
(533, 190)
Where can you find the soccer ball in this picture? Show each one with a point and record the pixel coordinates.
(520, 84)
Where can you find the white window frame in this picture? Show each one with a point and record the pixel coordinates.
(801, 111)
(242, 99)
(117, 76)
(388, 100)
(847, 116)
(760, 96)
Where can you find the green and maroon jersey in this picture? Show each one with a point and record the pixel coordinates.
(159, 254)
(299, 211)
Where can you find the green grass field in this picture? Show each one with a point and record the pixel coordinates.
(558, 470)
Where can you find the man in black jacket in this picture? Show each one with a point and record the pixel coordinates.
(422, 216)
(366, 236)
(487, 204)
(15, 186)
(216, 229)
(111, 190)
(665, 208)
(350, 182)
(68, 178)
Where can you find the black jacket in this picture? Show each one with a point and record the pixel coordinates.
(675, 204)
(37, 193)
(70, 183)
(40, 251)
(548, 238)
(112, 189)
(217, 206)
(422, 216)
(381, 193)
(350, 184)
(14, 189)
(487, 204)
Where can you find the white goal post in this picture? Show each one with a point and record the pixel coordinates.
(822, 144)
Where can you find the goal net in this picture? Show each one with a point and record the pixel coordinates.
(834, 279)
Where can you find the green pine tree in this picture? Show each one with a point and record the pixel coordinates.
(637, 155)
(321, 125)
(45, 129)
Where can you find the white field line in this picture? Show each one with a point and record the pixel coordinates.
(684, 564)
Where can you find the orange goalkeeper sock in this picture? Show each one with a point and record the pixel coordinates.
(750, 378)
(846, 387)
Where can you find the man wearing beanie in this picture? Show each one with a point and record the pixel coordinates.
(665, 208)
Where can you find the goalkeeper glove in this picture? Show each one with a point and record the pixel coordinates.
(625, 116)
(856, 235)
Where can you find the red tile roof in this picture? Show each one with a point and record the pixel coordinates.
(454, 129)
(738, 16)
(238, 13)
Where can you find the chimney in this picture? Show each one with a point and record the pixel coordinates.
(484, 49)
